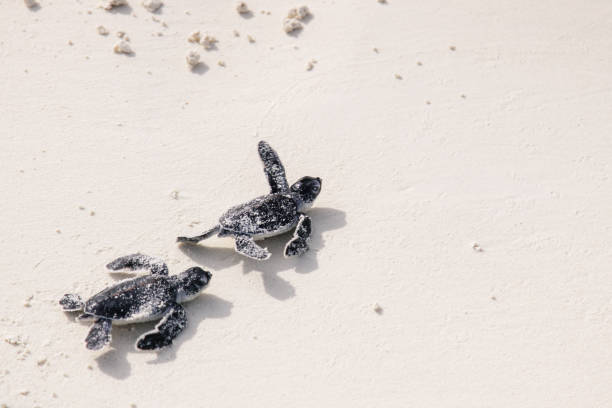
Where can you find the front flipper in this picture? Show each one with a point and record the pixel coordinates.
(298, 245)
(99, 335)
(247, 247)
(139, 261)
(273, 168)
(172, 324)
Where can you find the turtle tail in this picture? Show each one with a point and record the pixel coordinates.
(194, 240)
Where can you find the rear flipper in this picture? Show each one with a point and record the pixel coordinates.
(247, 247)
(298, 245)
(172, 324)
(198, 238)
(71, 302)
(139, 261)
(99, 335)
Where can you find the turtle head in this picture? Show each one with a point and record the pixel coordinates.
(307, 188)
(191, 282)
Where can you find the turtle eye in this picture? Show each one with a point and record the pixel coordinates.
(315, 189)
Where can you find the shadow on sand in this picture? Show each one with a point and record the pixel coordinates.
(323, 219)
(114, 362)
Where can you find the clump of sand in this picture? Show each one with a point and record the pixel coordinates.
(208, 42)
(111, 4)
(193, 60)
(291, 24)
(242, 8)
(299, 13)
(294, 18)
(194, 37)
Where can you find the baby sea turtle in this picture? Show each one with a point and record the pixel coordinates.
(269, 215)
(142, 299)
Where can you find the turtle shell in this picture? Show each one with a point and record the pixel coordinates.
(139, 299)
(266, 215)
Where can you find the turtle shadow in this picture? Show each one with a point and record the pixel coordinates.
(114, 362)
(323, 220)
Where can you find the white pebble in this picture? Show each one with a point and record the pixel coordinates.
(242, 8)
(102, 30)
(377, 308)
(152, 5)
(476, 247)
(193, 59)
(30, 3)
(122, 47)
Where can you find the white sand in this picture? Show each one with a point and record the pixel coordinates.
(520, 165)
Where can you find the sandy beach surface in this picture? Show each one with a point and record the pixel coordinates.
(461, 249)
